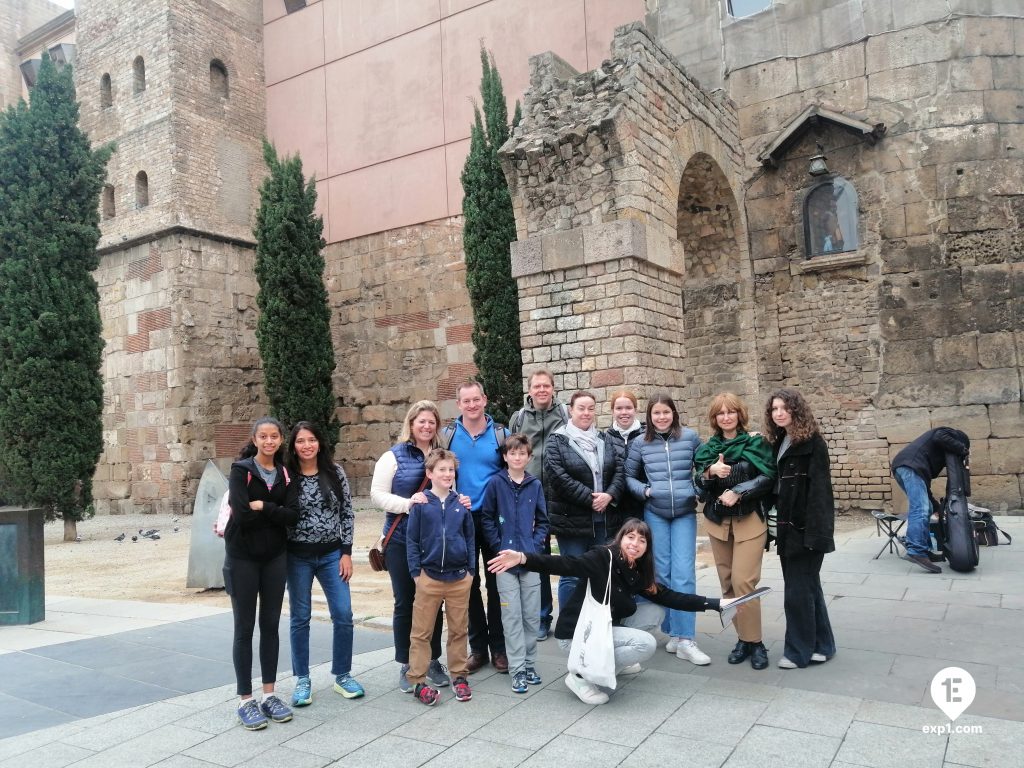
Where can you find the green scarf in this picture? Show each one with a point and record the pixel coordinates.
(743, 447)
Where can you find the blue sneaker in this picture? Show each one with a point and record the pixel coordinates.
(251, 717)
(437, 674)
(347, 686)
(403, 681)
(531, 676)
(519, 684)
(543, 632)
(274, 709)
(303, 694)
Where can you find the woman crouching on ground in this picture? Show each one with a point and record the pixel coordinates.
(632, 575)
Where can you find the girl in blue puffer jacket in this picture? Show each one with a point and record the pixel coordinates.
(659, 471)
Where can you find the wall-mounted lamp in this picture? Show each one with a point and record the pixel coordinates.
(817, 166)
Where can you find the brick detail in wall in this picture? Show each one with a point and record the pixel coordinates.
(457, 373)
(458, 334)
(408, 321)
(143, 269)
(229, 438)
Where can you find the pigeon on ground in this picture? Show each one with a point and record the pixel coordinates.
(119, 538)
(150, 532)
(135, 538)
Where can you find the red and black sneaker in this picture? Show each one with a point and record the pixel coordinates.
(462, 690)
(425, 694)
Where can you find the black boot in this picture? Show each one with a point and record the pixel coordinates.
(758, 655)
(740, 652)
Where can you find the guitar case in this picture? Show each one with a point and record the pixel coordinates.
(959, 543)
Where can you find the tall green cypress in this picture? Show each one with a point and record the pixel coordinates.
(294, 327)
(488, 228)
(51, 390)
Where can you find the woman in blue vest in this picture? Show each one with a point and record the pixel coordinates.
(398, 481)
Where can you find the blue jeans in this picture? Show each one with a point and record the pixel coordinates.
(675, 565)
(301, 571)
(919, 511)
(574, 546)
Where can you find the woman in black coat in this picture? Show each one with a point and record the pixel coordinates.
(583, 482)
(806, 521)
(632, 574)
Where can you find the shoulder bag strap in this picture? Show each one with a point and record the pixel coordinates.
(608, 585)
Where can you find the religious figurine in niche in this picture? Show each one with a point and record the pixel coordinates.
(825, 217)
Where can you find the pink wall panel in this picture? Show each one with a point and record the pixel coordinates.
(405, 191)
(603, 16)
(385, 102)
(513, 30)
(455, 158)
(294, 44)
(273, 9)
(297, 120)
(323, 205)
(352, 25)
(449, 7)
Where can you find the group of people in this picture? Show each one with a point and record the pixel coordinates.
(476, 488)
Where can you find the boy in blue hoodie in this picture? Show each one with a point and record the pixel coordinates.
(514, 516)
(440, 549)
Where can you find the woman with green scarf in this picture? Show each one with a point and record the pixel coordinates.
(733, 473)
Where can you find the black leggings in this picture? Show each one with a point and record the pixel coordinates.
(245, 581)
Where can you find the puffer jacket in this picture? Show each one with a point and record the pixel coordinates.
(667, 463)
(629, 505)
(569, 483)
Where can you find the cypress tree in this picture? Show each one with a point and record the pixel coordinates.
(294, 327)
(51, 390)
(488, 228)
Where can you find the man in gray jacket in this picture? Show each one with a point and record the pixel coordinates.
(539, 417)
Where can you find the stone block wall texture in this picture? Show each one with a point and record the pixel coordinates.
(182, 370)
(401, 323)
(926, 330)
(17, 19)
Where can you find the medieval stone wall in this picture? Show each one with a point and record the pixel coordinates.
(401, 324)
(924, 327)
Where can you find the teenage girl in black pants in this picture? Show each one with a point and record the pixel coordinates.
(263, 504)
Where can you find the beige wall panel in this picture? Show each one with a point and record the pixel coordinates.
(449, 7)
(297, 120)
(294, 44)
(353, 25)
(388, 195)
(513, 31)
(385, 102)
(323, 204)
(273, 9)
(455, 158)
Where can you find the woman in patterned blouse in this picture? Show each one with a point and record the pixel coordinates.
(320, 546)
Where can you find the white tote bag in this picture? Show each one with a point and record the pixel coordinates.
(592, 653)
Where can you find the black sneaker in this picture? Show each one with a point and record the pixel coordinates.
(924, 562)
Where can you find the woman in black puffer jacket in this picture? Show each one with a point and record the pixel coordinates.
(583, 484)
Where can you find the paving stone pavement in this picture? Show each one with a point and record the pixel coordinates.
(868, 707)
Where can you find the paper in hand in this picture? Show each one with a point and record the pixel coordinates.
(729, 611)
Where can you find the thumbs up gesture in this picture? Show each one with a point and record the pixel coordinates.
(719, 468)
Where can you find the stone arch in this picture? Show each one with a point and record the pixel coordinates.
(218, 78)
(141, 189)
(138, 75)
(717, 299)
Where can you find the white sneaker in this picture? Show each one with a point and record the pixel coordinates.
(819, 658)
(585, 692)
(785, 663)
(632, 669)
(687, 650)
(673, 644)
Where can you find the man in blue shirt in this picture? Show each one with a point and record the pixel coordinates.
(476, 440)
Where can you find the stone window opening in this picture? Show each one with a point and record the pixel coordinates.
(218, 78)
(108, 201)
(138, 75)
(141, 190)
(740, 8)
(106, 92)
(830, 218)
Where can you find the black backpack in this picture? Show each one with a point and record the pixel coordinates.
(986, 532)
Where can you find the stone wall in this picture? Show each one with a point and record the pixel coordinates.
(17, 19)
(923, 327)
(401, 323)
(181, 368)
